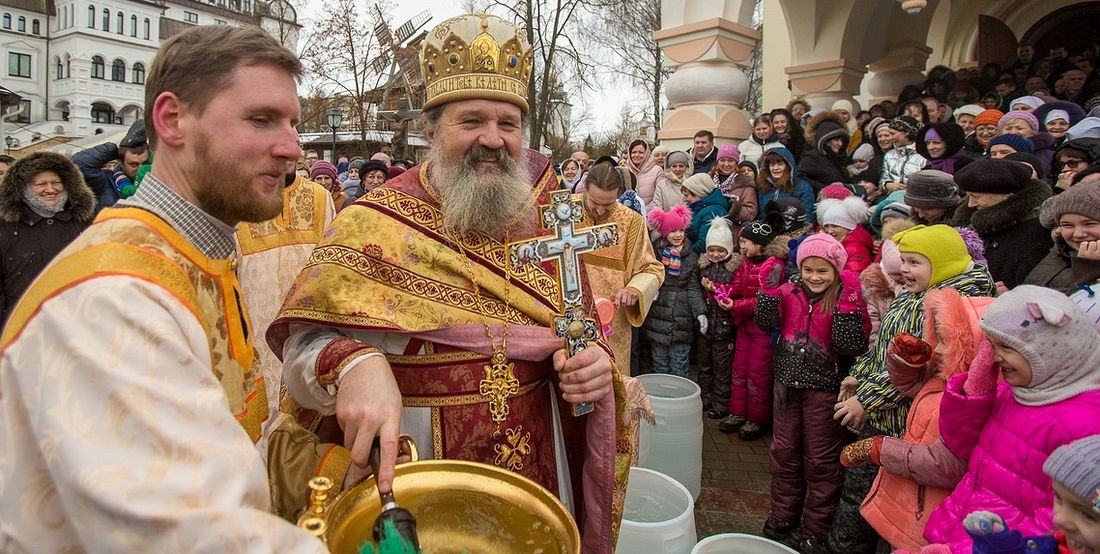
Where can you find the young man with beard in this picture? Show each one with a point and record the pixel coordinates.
(408, 314)
(134, 413)
(628, 274)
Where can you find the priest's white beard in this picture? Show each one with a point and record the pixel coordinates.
(477, 199)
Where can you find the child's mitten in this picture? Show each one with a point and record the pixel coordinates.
(982, 377)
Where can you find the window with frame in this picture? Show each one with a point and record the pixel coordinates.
(19, 65)
(118, 70)
(22, 25)
(133, 25)
(119, 23)
(91, 17)
(246, 6)
(219, 21)
(103, 113)
(191, 17)
(59, 69)
(106, 20)
(145, 28)
(7, 21)
(24, 115)
(36, 27)
(99, 68)
(68, 66)
(139, 73)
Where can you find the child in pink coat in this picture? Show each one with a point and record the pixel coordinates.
(763, 249)
(1046, 349)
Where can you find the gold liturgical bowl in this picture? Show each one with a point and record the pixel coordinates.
(460, 507)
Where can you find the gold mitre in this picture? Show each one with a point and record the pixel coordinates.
(476, 56)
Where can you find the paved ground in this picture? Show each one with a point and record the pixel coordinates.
(734, 495)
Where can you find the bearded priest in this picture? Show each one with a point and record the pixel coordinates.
(409, 318)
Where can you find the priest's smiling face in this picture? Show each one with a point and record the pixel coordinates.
(476, 165)
(490, 123)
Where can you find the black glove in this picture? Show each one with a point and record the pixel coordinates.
(135, 136)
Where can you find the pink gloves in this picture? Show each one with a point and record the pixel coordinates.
(981, 380)
(771, 276)
(851, 297)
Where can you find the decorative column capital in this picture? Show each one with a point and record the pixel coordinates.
(832, 76)
(907, 55)
(710, 40)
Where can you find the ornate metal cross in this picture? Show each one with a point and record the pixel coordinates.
(566, 246)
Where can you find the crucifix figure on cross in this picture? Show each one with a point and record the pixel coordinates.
(565, 246)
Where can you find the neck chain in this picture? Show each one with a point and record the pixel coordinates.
(500, 382)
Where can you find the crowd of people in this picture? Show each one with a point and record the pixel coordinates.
(904, 296)
(833, 278)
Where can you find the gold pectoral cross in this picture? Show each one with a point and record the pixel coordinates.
(499, 385)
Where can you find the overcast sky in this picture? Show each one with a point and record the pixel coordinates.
(603, 108)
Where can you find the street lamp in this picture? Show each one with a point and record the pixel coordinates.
(335, 118)
(8, 141)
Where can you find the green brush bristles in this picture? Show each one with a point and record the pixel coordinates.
(391, 543)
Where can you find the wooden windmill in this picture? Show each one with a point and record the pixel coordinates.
(399, 97)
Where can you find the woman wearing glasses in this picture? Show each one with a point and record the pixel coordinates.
(44, 205)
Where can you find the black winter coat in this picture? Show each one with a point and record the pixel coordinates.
(720, 323)
(29, 241)
(673, 316)
(1015, 241)
(820, 170)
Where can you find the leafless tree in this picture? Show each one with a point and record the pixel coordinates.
(623, 31)
(550, 26)
(337, 57)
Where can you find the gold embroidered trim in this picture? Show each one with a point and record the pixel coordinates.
(402, 279)
(254, 414)
(302, 220)
(430, 219)
(462, 399)
(435, 359)
(102, 260)
(437, 434)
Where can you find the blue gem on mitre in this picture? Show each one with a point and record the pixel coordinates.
(513, 61)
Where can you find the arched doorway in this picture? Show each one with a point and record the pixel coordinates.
(1073, 27)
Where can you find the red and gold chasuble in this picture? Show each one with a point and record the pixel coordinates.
(386, 264)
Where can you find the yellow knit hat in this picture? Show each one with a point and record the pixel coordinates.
(941, 244)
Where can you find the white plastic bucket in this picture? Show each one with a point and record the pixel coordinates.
(658, 515)
(674, 445)
(736, 543)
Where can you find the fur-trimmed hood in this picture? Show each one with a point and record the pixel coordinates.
(778, 247)
(824, 126)
(953, 319)
(876, 285)
(730, 264)
(81, 203)
(1021, 206)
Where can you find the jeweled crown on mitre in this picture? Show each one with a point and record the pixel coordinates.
(476, 56)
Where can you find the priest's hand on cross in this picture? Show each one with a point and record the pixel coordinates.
(585, 377)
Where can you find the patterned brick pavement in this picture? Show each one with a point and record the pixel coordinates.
(734, 494)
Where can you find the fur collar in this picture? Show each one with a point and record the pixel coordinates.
(81, 203)
(875, 284)
(1022, 206)
(778, 248)
(729, 264)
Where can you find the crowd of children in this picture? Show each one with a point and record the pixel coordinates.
(911, 397)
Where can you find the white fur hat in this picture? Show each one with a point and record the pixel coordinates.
(847, 213)
(720, 234)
